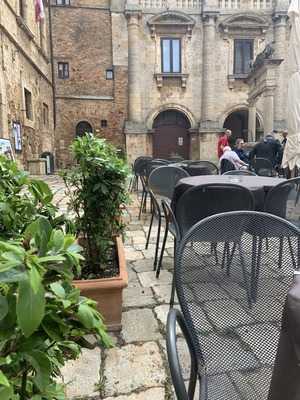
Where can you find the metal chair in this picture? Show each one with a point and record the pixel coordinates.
(232, 338)
(263, 167)
(138, 169)
(226, 166)
(161, 183)
(208, 166)
(202, 201)
(243, 172)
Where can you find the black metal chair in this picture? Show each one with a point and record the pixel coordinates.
(204, 168)
(243, 172)
(232, 339)
(263, 167)
(138, 169)
(202, 201)
(226, 166)
(161, 184)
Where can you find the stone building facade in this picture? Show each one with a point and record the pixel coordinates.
(183, 110)
(26, 91)
(90, 83)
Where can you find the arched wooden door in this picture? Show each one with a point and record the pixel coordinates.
(83, 127)
(171, 135)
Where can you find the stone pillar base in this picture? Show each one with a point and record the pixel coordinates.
(138, 141)
(208, 145)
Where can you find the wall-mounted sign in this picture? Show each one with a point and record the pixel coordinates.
(6, 149)
(17, 136)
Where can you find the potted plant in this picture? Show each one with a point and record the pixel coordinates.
(97, 188)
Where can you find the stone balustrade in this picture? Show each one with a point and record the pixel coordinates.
(170, 4)
(246, 4)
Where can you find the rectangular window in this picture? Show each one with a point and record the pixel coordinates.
(243, 54)
(63, 2)
(171, 55)
(28, 104)
(63, 70)
(45, 115)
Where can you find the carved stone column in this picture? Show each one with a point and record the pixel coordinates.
(134, 71)
(208, 74)
(268, 101)
(252, 122)
(280, 47)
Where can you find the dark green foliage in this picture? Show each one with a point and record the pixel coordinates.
(97, 187)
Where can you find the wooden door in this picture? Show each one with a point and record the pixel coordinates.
(171, 135)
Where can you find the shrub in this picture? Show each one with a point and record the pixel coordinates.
(43, 318)
(97, 188)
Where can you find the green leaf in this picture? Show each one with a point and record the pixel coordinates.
(49, 259)
(3, 380)
(58, 289)
(30, 307)
(40, 362)
(58, 240)
(86, 316)
(3, 307)
(13, 275)
(34, 279)
(6, 393)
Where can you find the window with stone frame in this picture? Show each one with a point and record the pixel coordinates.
(243, 55)
(28, 104)
(63, 2)
(63, 70)
(45, 115)
(171, 55)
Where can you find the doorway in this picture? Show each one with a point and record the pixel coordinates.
(237, 122)
(171, 135)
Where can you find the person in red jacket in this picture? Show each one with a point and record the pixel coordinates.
(223, 142)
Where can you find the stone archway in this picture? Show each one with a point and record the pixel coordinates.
(83, 127)
(237, 122)
(171, 135)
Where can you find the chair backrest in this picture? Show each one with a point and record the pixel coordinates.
(240, 172)
(210, 166)
(226, 166)
(235, 337)
(140, 164)
(175, 159)
(202, 201)
(163, 179)
(262, 166)
(284, 200)
(153, 164)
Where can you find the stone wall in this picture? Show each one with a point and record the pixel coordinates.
(25, 64)
(85, 42)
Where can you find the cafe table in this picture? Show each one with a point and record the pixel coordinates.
(258, 185)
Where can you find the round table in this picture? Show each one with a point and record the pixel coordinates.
(258, 185)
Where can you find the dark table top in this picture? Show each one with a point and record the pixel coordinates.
(258, 185)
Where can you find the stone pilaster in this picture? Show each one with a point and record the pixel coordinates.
(280, 46)
(208, 73)
(268, 105)
(134, 70)
(252, 123)
(3, 107)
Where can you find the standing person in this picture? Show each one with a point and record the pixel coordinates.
(284, 140)
(239, 149)
(223, 142)
(268, 148)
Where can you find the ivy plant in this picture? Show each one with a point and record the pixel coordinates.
(97, 188)
(43, 318)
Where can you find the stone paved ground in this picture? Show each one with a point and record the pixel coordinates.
(136, 368)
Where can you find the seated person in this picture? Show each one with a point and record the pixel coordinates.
(268, 148)
(239, 149)
(231, 156)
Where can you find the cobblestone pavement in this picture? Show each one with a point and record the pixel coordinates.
(136, 368)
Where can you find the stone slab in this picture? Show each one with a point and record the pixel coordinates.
(163, 293)
(151, 394)
(138, 297)
(148, 279)
(143, 265)
(139, 325)
(82, 375)
(132, 368)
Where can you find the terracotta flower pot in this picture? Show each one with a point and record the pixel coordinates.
(107, 292)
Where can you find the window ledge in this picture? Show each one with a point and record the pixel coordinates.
(160, 78)
(237, 76)
(22, 24)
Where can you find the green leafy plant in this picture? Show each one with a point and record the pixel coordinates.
(22, 200)
(43, 318)
(97, 188)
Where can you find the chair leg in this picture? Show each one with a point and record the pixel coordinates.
(149, 231)
(162, 248)
(292, 253)
(229, 258)
(157, 243)
(253, 263)
(280, 252)
(258, 261)
(244, 270)
(141, 205)
(172, 292)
